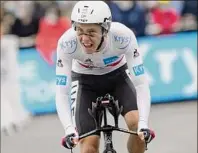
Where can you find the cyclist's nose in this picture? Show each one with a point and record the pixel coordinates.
(85, 38)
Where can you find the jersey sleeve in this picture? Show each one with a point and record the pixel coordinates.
(136, 72)
(63, 84)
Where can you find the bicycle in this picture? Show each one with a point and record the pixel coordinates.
(99, 110)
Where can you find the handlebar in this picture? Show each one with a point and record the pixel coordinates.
(106, 129)
(113, 128)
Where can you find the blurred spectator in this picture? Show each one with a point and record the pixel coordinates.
(25, 25)
(22, 18)
(176, 5)
(7, 20)
(66, 7)
(39, 10)
(51, 27)
(130, 14)
(9, 6)
(161, 18)
(189, 16)
(14, 116)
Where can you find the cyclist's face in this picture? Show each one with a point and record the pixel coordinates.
(89, 36)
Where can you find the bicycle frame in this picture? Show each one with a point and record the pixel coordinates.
(106, 129)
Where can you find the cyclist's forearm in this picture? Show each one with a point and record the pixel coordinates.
(63, 110)
(144, 104)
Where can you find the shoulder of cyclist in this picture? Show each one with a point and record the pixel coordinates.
(122, 37)
(68, 43)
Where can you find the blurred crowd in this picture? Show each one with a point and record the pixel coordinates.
(40, 23)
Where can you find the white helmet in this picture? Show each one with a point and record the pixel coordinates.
(92, 12)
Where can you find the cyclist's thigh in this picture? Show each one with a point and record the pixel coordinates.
(125, 93)
(82, 97)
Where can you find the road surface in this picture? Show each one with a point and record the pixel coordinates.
(175, 125)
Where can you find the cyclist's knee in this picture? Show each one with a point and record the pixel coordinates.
(133, 125)
(89, 144)
(89, 149)
(132, 119)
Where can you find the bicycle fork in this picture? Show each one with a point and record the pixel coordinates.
(108, 137)
(108, 143)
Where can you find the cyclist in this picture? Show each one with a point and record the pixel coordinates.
(94, 57)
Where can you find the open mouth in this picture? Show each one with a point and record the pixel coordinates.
(88, 46)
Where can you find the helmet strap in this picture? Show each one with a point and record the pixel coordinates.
(102, 39)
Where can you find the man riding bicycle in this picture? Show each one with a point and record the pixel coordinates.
(97, 56)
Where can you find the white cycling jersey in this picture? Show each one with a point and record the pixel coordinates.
(121, 48)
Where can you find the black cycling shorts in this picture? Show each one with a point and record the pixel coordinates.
(86, 88)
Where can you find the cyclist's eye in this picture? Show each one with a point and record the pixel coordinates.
(79, 31)
(91, 34)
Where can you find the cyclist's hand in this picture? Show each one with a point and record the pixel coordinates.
(71, 139)
(146, 135)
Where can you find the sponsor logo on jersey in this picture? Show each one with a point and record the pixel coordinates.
(69, 46)
(121, 40)
(138, 70)
(110, 60)
(136, 53)
(89, 63)
(59, 63)
(61, 80)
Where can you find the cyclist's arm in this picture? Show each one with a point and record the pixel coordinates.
(139, 78)
(63, 81)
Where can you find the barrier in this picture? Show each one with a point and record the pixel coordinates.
(170, 61)
(37, 82)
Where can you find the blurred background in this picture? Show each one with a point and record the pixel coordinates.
(167, 36)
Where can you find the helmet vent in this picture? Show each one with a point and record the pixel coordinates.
(91, 11)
